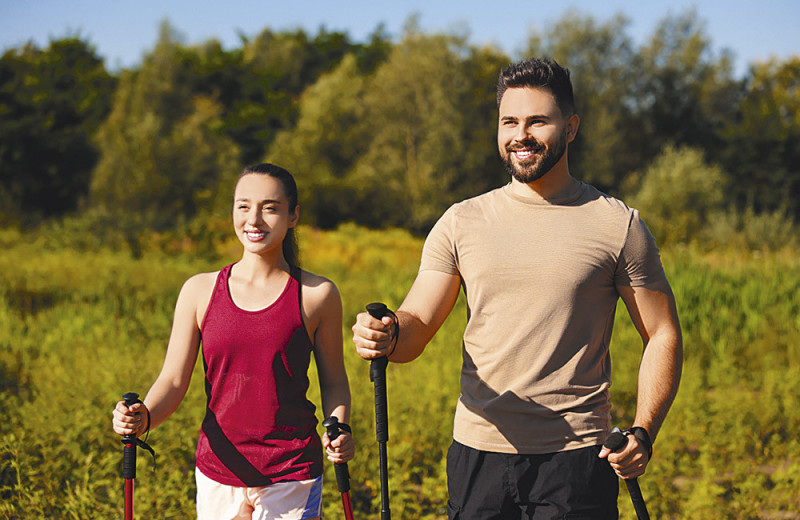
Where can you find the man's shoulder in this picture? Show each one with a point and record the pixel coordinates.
(598, 200)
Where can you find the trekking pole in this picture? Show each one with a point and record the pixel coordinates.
(129, 457)
(342, 474)
(377, 374)
(614, 442)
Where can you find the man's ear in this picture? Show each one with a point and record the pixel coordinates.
(573, 123)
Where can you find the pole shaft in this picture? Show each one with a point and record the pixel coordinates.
(637, 499)
(129, 499)
(386, 513)
(348, 507)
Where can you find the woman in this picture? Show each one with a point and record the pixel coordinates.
(259, 455)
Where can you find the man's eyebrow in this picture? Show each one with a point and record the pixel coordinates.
(265, 201)
(526, 118)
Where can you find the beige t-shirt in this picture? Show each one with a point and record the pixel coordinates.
(540, 281)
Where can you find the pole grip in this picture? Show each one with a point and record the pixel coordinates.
(129, 451)
(377, 374)
(614, 442)
(331, 424)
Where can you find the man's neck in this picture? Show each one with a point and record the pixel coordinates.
(554, 185)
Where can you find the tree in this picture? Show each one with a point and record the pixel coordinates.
(325, 144)
(763, 141)
(162, 150)
(274, 71)
(397, 145)
(678, 193)
(427, 145)
(686, 92)
(52, 101)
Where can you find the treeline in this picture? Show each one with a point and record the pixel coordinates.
(388, 133)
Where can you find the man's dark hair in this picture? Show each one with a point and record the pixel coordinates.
(539, 73)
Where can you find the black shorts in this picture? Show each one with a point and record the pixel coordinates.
(570, 484)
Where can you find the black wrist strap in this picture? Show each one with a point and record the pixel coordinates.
(143, 443)
(643, 437)
(345, 427)
(395, 333)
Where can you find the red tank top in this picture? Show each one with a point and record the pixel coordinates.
(259, 426)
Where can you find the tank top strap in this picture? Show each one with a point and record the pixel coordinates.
(218, 294)
(296, 273)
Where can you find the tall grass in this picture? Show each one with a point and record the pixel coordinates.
(81, 328)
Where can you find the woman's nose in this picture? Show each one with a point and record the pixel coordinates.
(254, 216)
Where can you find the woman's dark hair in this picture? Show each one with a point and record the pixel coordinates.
(539, 73)
(290, 251)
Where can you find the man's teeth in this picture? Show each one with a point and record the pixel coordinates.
(523, 154)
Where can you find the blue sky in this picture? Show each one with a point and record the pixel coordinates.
(122, 31)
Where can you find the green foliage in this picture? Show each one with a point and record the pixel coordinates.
(677, 194)
(766, 231)
(162, 151)
(382, 133)
(763, 153)
(51, 102)
(379, 137)
(82, 327)
(682, 198)
(328, 124)
(686, 92)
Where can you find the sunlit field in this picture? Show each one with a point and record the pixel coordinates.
(80, 328)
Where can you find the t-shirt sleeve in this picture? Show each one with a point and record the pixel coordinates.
(439, 251)
(639, 260)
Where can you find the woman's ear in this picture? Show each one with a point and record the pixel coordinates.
(294, 216)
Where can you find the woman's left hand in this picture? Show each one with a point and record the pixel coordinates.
(340, 450)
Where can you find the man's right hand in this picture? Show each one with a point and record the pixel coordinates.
(372, 337)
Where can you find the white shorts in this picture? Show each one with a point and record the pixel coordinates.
(284, 500)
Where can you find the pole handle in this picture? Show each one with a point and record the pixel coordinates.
(129, 451)
(614, 442)
(331, 424)
(377, 374)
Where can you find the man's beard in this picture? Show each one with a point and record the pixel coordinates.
(535, 169)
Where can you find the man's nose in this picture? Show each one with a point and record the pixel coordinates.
(523, 133)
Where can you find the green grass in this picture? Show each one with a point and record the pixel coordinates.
(79, 328)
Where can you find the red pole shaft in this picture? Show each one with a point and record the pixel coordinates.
(129, 499)
(348, 507)
(129, 493)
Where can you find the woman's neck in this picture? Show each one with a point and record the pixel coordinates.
(253, 266)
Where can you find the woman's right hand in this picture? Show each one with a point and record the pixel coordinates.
(129, 420)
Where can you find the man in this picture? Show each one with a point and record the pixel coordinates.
(542, 261)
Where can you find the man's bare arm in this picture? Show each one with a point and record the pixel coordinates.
(423, 311)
